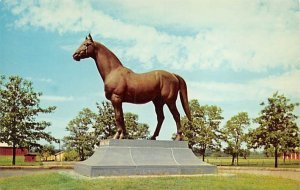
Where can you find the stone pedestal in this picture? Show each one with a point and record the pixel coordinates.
(143, 157)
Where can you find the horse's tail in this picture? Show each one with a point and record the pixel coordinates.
(184, 97)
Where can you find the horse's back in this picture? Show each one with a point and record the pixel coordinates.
(145, 87)
(168, 85)
(162, 74)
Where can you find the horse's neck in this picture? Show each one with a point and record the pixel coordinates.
(106, 60)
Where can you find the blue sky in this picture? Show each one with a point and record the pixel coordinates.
(233, 54)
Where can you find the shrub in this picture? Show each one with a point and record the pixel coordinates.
(71, 155)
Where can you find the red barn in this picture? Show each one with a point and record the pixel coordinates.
(293, 156)
(6, 150)
(30, 157)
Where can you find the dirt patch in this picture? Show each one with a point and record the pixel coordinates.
(292, 173)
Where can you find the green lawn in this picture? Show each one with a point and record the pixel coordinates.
(64, 180)
(7, 161)
(254, 162)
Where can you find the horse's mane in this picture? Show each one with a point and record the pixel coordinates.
(103, 47)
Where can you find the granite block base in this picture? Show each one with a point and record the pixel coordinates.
(143, 157)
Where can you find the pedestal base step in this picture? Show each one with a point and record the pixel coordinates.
(143, 157)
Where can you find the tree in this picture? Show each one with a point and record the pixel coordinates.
(244, 153)
(203, 132)
(19, 108)
(47, 150)
(70, 155)
(105, 127)
(277, 129)
(234, 135)
(82, 138)
(291, 142)
(135, 130)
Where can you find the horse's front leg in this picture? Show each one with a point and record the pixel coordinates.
(159, 109)
(116, 101)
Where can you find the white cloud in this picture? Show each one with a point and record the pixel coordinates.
(287, 83)
(259, 89)
(240, 35)
(209, 14)
(57, 98)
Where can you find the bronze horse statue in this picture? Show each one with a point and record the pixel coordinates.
(123, 85)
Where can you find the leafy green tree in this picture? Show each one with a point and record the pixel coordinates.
(277, 129)
(269, 152)
(244, 152)
(234, 134)
(203, 132)
(135, 130)
(47, 150)
(105, 127)
(291, 142)
(82, 137)
(19, 108)
(70, 155)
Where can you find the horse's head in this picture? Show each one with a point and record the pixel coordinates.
(85, 50)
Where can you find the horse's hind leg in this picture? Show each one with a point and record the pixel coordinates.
(117, 104)
(159, 104)
(176, 116)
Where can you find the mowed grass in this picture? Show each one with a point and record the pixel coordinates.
(7, 161)
(64, 180)
(254, 162)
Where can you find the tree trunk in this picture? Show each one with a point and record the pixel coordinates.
(276, 158)
(82, 155)
(284, 155)
(237, 159)
(232, 161)
(14, 154)
(203, 155)
(79, 153)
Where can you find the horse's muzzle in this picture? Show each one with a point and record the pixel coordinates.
(76, 57)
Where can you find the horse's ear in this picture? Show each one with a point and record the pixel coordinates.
(90, 37)
(86, 38)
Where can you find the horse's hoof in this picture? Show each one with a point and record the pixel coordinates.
(178, 138)
(116, 136)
